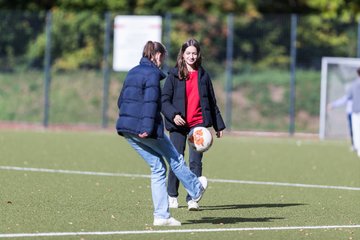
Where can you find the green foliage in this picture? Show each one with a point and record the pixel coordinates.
(17, 30)
(210, 30)
(76, 38)
(36, 50)
(340, 9)
(333, 9)
(261, 42)
(324, 37)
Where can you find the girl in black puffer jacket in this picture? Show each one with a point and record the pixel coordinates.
(188, 101)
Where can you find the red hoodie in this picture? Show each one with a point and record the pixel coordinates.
(193, 108)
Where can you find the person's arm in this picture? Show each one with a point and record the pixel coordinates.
(167, 108)
(339, 102)
(121, 95)
(151, 93)
(217, 119)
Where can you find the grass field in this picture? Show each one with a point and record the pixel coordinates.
(77, 185)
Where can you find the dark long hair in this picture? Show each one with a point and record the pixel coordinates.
(151, 48)
(180, 62)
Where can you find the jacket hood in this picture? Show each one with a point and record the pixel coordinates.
(145, 61)
(174, 71)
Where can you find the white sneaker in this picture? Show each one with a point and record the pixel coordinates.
(203, 181)
(173, 202)
(193, 206)
(204, 184)
(166, 222)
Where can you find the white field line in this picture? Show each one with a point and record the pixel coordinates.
(73, 172)
(148, 176)
(204, 230)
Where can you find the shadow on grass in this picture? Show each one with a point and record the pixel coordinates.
(233, 220)
(230, 220)
(243, 206)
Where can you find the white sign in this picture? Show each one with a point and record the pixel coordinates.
(130, 36)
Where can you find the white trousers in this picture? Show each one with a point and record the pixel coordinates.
(356, 130)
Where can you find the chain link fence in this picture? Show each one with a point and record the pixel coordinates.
(55, 67)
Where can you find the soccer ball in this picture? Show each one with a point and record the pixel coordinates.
(200, 139)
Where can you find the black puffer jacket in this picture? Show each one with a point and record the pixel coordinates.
(173, 101)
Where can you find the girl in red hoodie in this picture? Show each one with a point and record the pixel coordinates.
(188, 101)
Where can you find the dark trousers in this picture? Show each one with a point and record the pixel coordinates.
(350, 128)
(195, 164)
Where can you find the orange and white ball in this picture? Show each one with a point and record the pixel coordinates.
(200, 139)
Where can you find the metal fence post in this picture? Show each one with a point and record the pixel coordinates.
(229, 63)
(167, 37)
(292, 73)
(47, 68)
(106, 71)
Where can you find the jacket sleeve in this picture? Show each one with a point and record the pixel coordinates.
(217, 119)
(151, 100)
(120, 96)
(167, 108)
(340, 101)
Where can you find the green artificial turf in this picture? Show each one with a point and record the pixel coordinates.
(49, 202)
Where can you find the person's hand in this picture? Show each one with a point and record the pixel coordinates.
(143, 135)
(219, 134)
(179, 121)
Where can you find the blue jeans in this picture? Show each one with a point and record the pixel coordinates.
(153, 151)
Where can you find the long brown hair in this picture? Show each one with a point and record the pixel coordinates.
(151, 48)
(180, 62)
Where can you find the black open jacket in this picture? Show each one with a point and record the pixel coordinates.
(173, 101)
